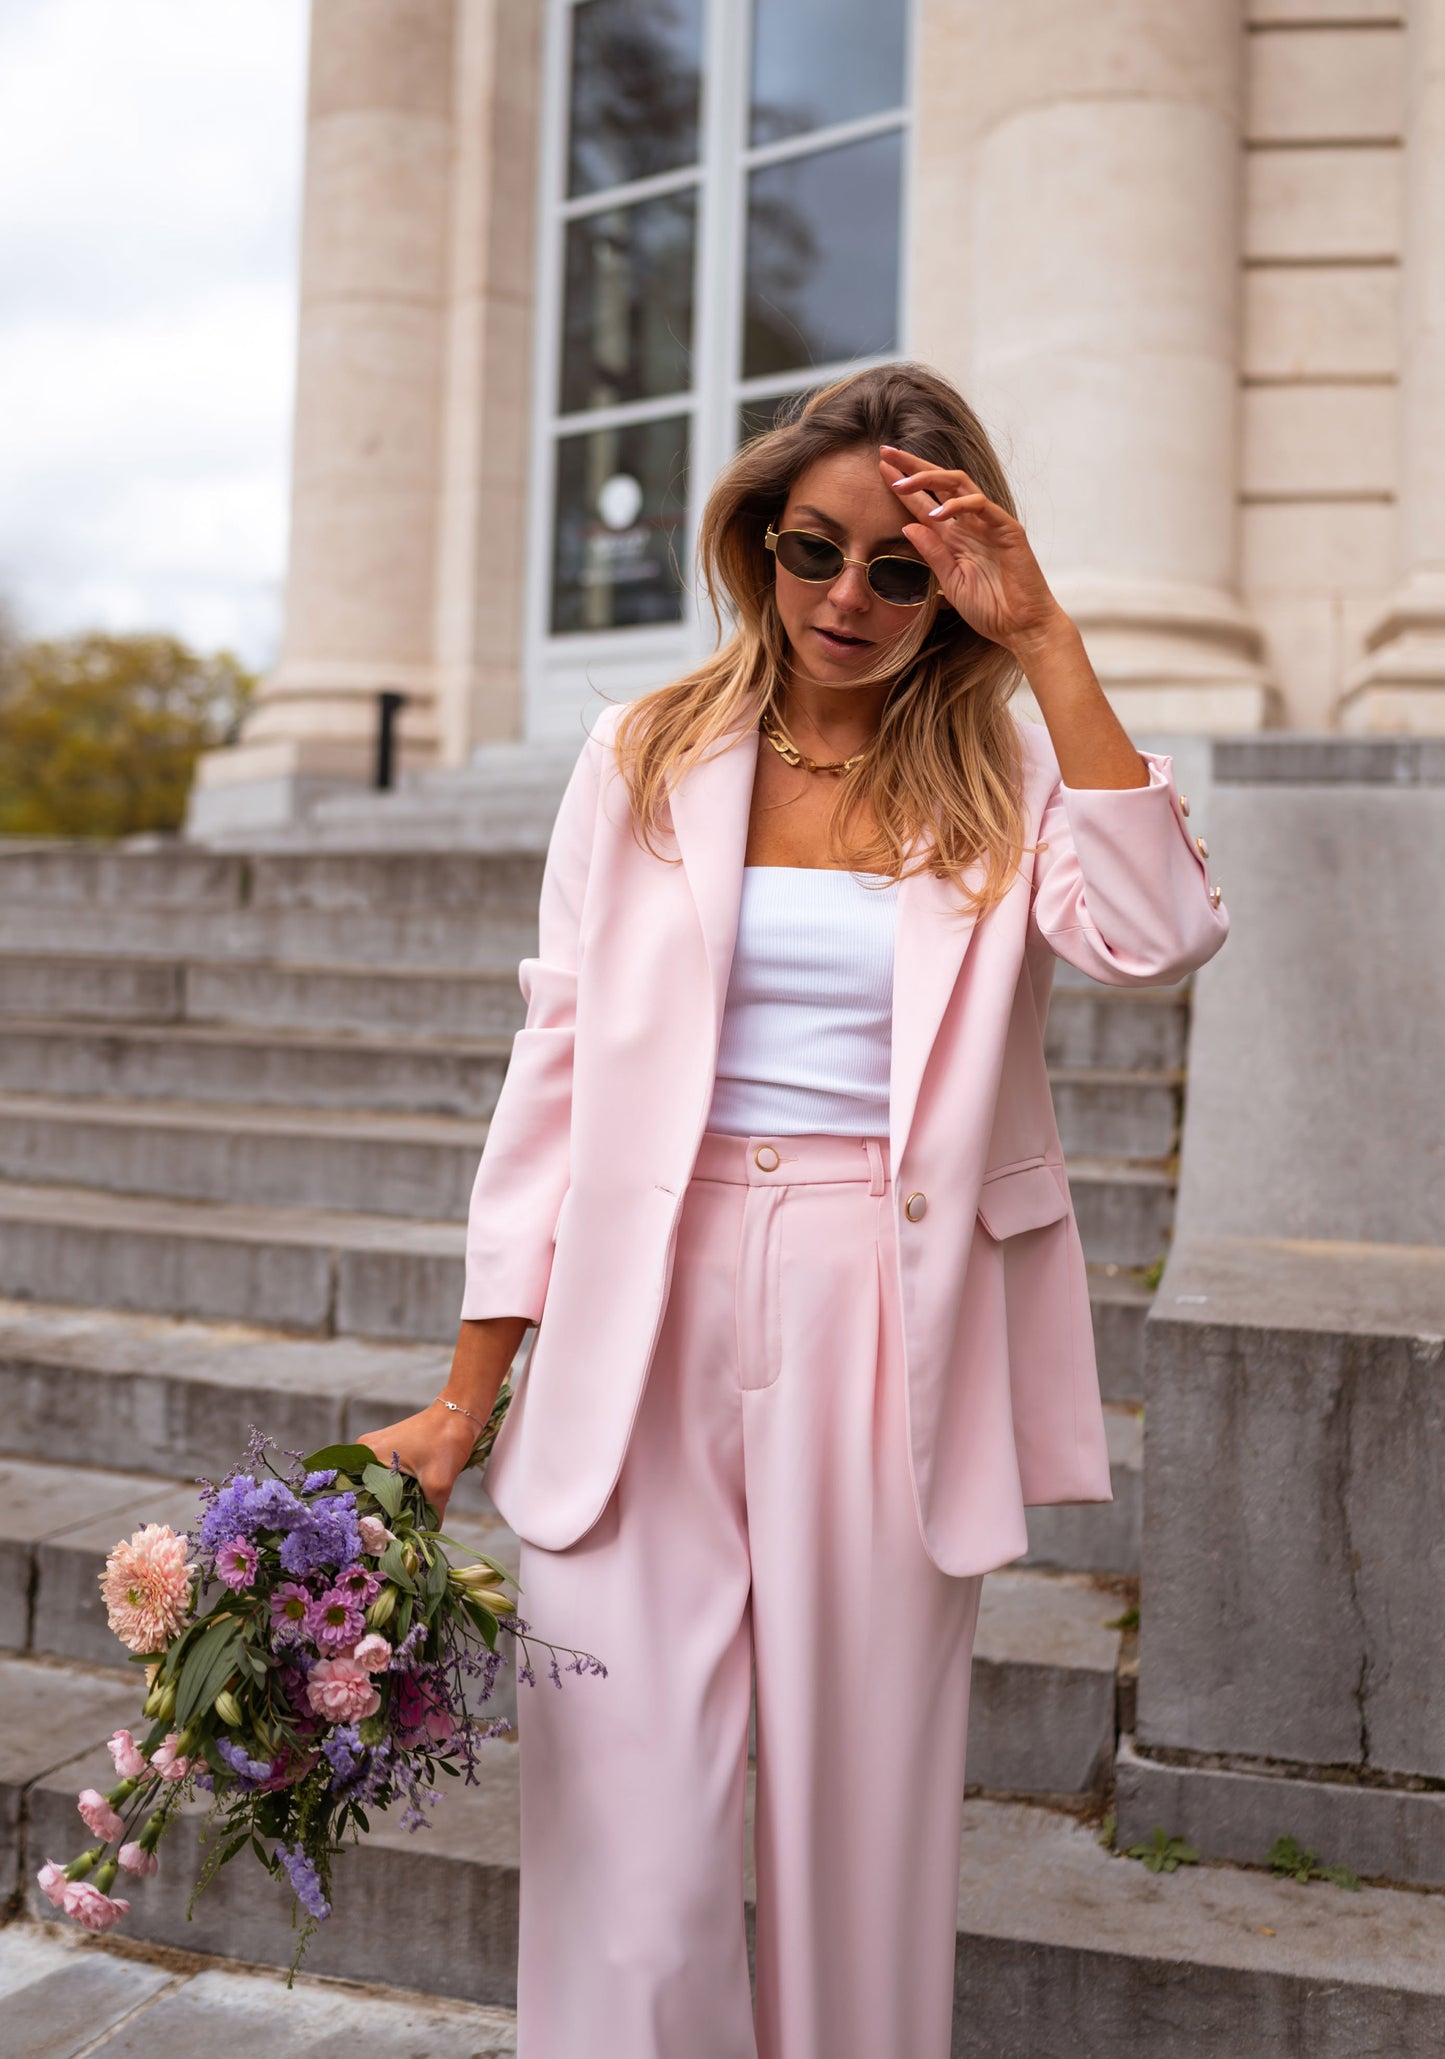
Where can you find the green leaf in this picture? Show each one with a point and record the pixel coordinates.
(386, 1486)
(484, 1622)
(394, 1570)
(208, 1667)
(346, 1458)
(232, 1848)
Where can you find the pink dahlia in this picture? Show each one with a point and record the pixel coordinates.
(89, 1906)
(129, 1759)
(146, 1587)
(341, 1690)
(236, 1563)
(99, 1815)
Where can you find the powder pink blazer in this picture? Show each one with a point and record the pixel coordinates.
(577, 1197)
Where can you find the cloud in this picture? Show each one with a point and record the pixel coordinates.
(150, 185)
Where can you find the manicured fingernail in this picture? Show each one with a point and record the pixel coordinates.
(935, 511)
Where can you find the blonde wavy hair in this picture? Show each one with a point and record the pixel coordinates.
(945, 766)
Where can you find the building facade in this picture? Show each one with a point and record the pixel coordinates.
(1185, 257)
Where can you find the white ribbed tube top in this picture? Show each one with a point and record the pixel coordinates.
(807, 1028)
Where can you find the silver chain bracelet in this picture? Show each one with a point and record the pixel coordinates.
(457, 1409)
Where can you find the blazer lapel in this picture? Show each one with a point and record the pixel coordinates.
(933, 935)
(710, 809)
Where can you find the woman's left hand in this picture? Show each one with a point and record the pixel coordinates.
(977, 551)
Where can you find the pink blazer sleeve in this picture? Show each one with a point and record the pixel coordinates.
(524, 1170)
(1123, 890)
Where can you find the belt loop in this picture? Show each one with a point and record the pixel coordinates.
(875, 1165)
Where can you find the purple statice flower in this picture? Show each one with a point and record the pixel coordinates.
(326, 1537)
(408, 1652)
(345, 1752)
(336, 1620)
(236, 1563)
(314, 1482)
(227, 1515)
(290, 1607)
(305, 1881)
(250, 1772)
(272, 1506)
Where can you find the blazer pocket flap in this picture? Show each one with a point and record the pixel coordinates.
(1024, 1199)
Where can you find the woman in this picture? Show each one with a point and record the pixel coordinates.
(775, 1170)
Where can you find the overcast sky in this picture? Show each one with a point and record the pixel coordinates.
(150, 188)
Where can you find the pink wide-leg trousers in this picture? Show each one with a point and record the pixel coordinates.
(762, 1522)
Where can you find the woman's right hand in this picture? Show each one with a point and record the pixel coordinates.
(435, 1444)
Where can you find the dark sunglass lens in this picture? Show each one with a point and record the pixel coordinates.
(809, 557)
(899, 579)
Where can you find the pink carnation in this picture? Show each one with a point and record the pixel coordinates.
(373, 1652)
(53, 1883)
(146, 1586)
(99, 1815)
(89, 1906)
(341, 1690)
(127, 1754)
(375, 1536)
(165, 1762)
(137, 1860)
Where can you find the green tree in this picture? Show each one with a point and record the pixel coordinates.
(99, 735)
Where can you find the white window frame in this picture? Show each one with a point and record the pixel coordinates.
(561, 671)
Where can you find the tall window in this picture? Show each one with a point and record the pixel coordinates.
(724, 206)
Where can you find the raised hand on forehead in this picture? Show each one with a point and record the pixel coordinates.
(977, 551)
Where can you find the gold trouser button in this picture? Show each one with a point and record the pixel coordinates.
(1203, 847)
(916, 1207)
(1184, 804)
(766, 1158)
(1216, 895)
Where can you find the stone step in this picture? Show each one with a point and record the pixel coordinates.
(1119, 1301)
(357, 1159)
(62, 1993)
(1115, 1112)
(1043, 1713)
(1124, 1209)
(275, 1068)
(1064, 1947)
(316, 1270)
(1104, 1537)
(257, 994)
(1093, 1025)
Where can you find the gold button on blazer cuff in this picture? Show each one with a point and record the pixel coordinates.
(1203, 847)
(1184, 804)
(915, 1207)
(1216, 894)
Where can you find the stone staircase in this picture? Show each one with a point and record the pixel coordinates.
(242, 1098)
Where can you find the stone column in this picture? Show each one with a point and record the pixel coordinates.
(1400, 684)
(1075, 267)
(361, 584)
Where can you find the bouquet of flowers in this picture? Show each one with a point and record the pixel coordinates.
(311, 1653)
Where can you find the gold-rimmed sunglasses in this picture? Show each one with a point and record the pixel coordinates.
(902, 582)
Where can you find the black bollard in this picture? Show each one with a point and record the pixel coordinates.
(389, 706)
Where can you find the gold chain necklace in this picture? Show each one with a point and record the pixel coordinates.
(786, 749)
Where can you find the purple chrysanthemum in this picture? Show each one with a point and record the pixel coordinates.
(236, 1563)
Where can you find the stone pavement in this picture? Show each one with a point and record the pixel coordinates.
(65, 1996)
